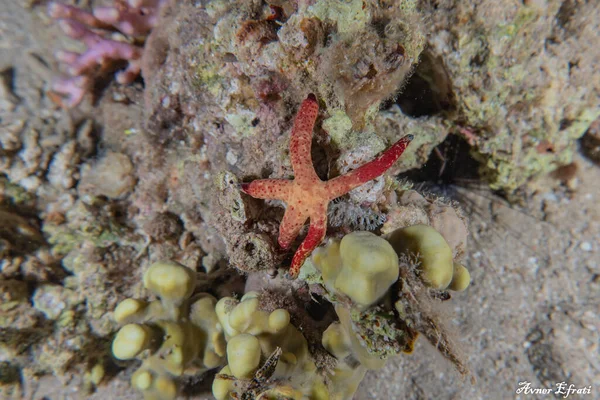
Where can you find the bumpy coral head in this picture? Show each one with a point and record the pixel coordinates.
(436, 265)
(172, 282)
(361, 266)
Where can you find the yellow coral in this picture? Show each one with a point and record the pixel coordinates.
(253, 335)
(243, 354)
(433, 253)
(460, 278)
(173, 335)
(170, 281)
(361, 266)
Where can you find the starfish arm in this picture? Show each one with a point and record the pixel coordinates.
(272, 189)
(301, 139)
(293, 221)
(314, 237)
(340, 185)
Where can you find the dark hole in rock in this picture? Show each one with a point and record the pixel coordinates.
(480, 58)
(112, 366)
(379, 25)
(249, 248)
(19, 231)
(320, 162)
(319, 308)
(427, 92)
(449, 163)
(9, 373)
(372, 72)
(265, 172)
(565, 13)
(9, 76)
(194, 385)
(229, 57)
(565, 124)
(590, 143)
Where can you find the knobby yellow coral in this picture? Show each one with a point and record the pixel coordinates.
(358, 273)
(263, 353)
(361, 266)
(177, 334)
(434, 255)
(254, 335)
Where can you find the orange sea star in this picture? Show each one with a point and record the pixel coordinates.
(307, 196)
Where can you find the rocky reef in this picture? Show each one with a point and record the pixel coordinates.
(133, 244)
(510, 68)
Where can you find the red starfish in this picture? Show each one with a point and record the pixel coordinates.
(307, 196)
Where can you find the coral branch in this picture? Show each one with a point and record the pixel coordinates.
(100, 50)
(127, 20)
(60, 11)
(71, 90)
(133, 18)
(307, 196)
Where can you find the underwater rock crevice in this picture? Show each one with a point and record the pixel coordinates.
(427, 91)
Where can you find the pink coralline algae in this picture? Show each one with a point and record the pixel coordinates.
(111, 34)
(307, 196)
